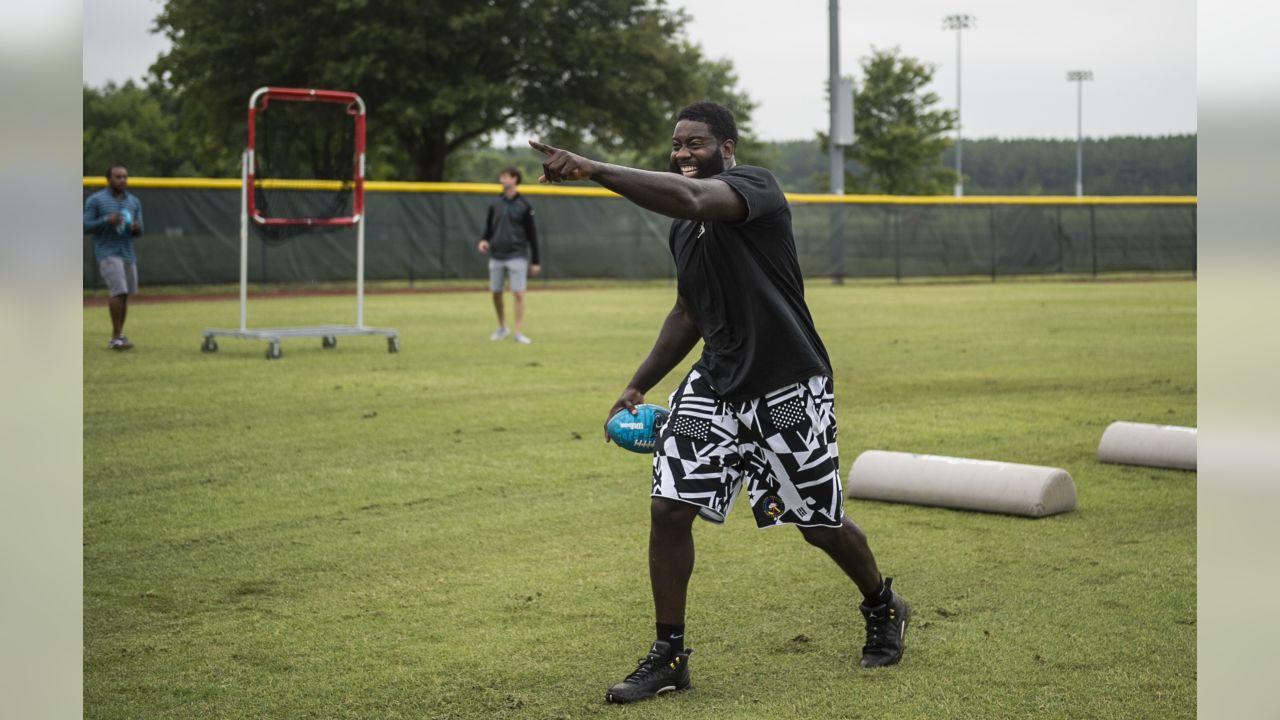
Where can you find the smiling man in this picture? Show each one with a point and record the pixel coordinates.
(757, 409)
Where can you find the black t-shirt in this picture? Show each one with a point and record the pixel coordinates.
(741, 284)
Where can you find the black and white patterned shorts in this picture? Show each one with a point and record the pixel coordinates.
(782, 447)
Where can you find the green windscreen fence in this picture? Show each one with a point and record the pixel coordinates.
(193, 237)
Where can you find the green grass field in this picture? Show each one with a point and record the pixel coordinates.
(441, 533)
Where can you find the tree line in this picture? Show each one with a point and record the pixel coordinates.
(599, 76)
(137, 124)
(439, 77)
(1123, 165)
(1164, 165)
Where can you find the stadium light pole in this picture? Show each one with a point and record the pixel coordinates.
(835, 152)
(1079, 77)
(835, 183)
(958, 23)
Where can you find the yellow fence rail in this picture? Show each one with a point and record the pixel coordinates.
(587, 191)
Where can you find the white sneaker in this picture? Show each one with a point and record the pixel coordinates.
(522, 339)
(500, 334)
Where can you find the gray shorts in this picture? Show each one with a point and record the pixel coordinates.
(121, 277)
(516, 267)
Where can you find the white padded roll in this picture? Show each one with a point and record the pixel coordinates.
(963, 484)
(1163, 446)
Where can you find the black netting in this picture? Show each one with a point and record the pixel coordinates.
(193, 236)
(299, 142)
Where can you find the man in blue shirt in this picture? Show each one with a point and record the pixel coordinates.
(113, 216)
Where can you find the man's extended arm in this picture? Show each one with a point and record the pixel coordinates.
(672, 195)
(676, 338)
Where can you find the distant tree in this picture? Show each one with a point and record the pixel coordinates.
(440, 76)
(900, 136)
(717, 82)
(481, 163)
(135, 125)
(802, 165)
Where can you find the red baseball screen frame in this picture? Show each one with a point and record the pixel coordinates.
(355, 107)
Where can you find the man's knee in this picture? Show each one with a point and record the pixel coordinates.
(667, 514)
(827, 538)
(821, 537)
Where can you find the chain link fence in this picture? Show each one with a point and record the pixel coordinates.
(427, 232)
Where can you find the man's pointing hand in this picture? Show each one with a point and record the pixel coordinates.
(563, 165)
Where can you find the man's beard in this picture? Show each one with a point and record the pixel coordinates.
(710, 167)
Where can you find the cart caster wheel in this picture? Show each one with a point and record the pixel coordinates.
(273, 351)
(329, 342)
(393, 344)
(210, 345)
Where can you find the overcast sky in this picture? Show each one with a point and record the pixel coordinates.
(1142, 54)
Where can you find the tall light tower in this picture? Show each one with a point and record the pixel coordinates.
(1078, 77)
(836, 153)
(840, 90)
(958, 23)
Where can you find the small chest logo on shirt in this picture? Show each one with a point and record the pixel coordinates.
(702, 229)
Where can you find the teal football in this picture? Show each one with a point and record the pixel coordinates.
(638, 433)
(126, 218)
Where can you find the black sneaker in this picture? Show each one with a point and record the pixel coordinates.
(657, 673)
(886, 630)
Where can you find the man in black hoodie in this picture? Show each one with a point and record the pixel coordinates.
(511, 240)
